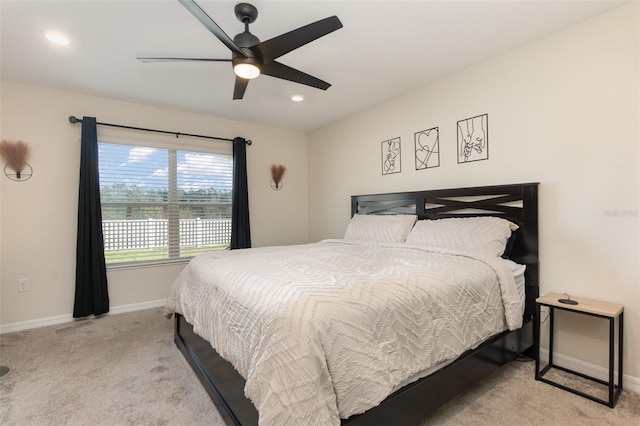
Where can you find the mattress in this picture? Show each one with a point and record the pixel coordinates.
(327, 330)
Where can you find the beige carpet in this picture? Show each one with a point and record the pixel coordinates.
(125, 370)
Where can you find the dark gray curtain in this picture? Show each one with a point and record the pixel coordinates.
(91, 272)
(240, 231)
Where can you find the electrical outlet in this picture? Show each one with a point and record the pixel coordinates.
(23, 284)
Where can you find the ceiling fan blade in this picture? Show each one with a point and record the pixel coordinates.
(206, 20)
(239, 88)
(182, 60)
(278, 70)
(285, 43)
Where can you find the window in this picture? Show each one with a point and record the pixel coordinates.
(163, 204)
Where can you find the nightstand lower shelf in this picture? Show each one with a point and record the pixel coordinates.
(608, 311)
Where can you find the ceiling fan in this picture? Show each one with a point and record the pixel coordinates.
(250, 57)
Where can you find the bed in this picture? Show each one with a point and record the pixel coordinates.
(395, 401)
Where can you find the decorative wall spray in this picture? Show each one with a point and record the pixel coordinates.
(277, 172)
(16, 154)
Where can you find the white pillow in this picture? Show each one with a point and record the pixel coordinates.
(518, 277)
(381, 228)
(486, 234)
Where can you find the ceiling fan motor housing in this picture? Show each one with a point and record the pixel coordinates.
(245, 41)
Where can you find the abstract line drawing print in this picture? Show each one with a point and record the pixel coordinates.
(427, 147)
(473, 139)
(391, 156)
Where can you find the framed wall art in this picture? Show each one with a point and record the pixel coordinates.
(427, 148)
(390, 154)
(473, 139)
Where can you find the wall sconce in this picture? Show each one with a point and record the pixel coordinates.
(276, 176)
(16, 154)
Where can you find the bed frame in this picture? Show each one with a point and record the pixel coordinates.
(416, 401)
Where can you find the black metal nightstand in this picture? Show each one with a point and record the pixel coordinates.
(605, 310)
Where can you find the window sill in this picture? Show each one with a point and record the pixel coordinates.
(149, 264)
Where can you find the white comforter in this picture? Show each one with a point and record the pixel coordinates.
(328, 330)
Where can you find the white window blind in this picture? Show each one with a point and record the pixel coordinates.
(163, 204)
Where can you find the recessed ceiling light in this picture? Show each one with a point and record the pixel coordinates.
(56, 38)
(297, 98)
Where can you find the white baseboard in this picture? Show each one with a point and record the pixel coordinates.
(137, 306)
(628, 382)
(61, 319)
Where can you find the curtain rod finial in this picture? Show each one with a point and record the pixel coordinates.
(73, 119)
(248, 142)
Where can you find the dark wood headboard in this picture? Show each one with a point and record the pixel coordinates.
(517, 203)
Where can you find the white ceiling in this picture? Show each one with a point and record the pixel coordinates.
(386, 48)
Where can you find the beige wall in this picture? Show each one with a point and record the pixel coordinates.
(563, 111)
(38, 216)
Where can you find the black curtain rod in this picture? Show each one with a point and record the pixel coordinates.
(73, 119)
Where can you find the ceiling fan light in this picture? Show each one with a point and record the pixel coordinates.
(248, 71)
